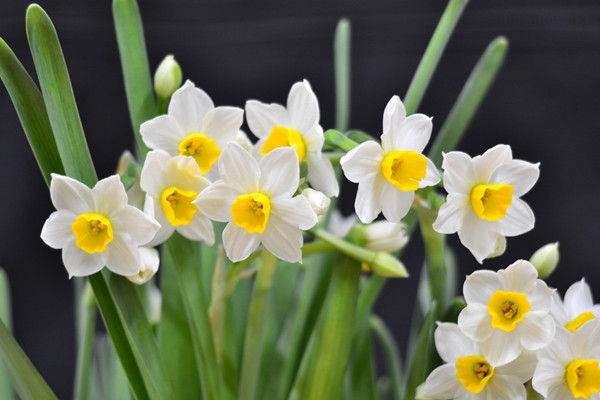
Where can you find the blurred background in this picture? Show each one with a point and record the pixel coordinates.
(545, 104)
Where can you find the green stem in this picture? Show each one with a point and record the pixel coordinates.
(341, 50)
(432, 55)
(256, 319)
(338, 139)
(316, 247)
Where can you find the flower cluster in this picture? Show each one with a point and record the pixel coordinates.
(513, 329)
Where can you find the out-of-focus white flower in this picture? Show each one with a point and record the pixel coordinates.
(297, 126)
(167, 77)
(193, 127)
(507, 311)
(171, 185)
(385, 236)
(318, 201)
(483, 203)
(569, 367)
(243, 140)
(469, 375)
(388, 175)
(577, 308)
(256, 199)
(545, 259)
(96, 227)
(149, 266)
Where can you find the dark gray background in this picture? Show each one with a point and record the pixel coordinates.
(544, 104)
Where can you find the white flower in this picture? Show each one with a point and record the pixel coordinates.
(385, 236)
(578, 307)
(96, 227)
(483, 203)
(171, 185)
(388, 175)
(569, 367)
(193, 127)
(507, 311)
(148, 268)
(469, 375)
(298, 126)
(256, 199)
(318, 201)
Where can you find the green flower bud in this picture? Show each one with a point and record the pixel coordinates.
(167, 77)
(545, 259)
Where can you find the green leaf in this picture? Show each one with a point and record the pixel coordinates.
(108, 379)
(87, 316)
(6, 390)
(360, 378)
(136, 71)
(469, 99)
(341, 50)
(31, 109)
(391, 354)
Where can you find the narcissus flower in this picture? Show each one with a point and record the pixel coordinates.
(569, 368)
(256, 199)
(483, 203)
(96, 227)
(507, 311)
(469, 375)
(577, 308)
(298, 126)
(193, 127)
(149, 266)
(171, 185)
(388, 175)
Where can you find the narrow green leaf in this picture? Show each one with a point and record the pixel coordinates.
(136, 71)
(31, 109)
(58, 96)
(108, 379)
(6, 390)
(341, 60)
(435, 49)
(87, 313)
(25, 379)
(391, 354)
(360, 136)
(360, 378)
(469, 99)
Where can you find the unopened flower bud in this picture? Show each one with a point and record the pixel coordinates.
(150, 261)
(385, 236)
(318, 201)
(545, 259)
(167, 77)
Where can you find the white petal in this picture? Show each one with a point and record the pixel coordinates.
(57, 232)
(501, 347)
(561, 392)
(109, 196)
(282, 239)
(263, 117)
(432, 176)
(238, 243)
(520, 276)
(440, 384)
(394, 116)
(188, 106)
(183, 172)
(484, 165)
(559, 350)
(459, 176)
(522, 367)
(521, 174)
(153, 179)
(362, 160)
(215, 201)
(161, 236)
(162, 133)
(476, 235)
(518, 219)
(475, 322)
(321, 175)
(136, 223)
(70, 194)
(279, 172)
(122, 256)
(369, 199)
(150, 262)
(451, 343)
(314, 139)
(395, 203)
(506, 387)
(222, 124)
(415, 133)
(239, 169)
(295, 211)
(78, 262)
(480, 286)
(303, 107)
(559, 311)
(200, 228)
(541, 297)
(536, 331)
(548, 374)
(452, 213)
(578, 298)
(166, 229)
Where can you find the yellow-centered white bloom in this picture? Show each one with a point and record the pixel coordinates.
(96, 227)
(256, 199)
(297, 126)
(577, 308)
(483, 203)
(149, 267)
(171, 185)
(569, 368)
(388, 174)
(507, 311)
(193, 127)
(469, 375)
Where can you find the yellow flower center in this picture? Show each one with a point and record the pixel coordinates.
(177, 205)
(490, 201)
(473, 372)
(282, 136)
(507, 309)
(404, 169)
(204, 150)
(251, 212)
(93, 232)
(580, 320)
(583, 378)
